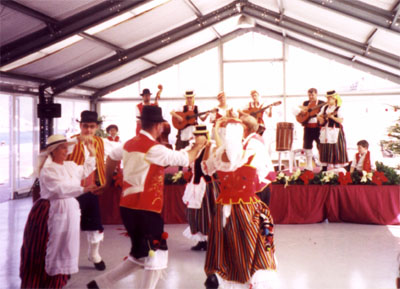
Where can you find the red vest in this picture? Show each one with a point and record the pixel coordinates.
(367, 162)
(111, 139)
(147, 193)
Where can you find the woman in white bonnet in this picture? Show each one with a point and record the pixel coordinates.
(50, 249)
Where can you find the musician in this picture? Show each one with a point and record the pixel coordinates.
(221, 110)
(146, 96)
(186, 134)
(332, 149)
(254, 105)
(311, 127)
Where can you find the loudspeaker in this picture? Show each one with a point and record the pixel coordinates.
(49, 110)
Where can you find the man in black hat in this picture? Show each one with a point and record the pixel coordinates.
(88, 202)
(146, 95)
(141, 202)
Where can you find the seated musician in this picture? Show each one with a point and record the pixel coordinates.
(186, 134)
(362, 159)
(256, 105)
(311, 126)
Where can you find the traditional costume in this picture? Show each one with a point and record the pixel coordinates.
(241, 248)
(50, 249)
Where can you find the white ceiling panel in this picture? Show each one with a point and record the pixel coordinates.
(148, 25)
(384, 4)
(66, 61)
(207, 6)
(227, 26)
(59, 9)
(379, 65)
(328, 20)
(387, 41)
(182, 46)
(14, 25)
(270, 5)
(118, 74)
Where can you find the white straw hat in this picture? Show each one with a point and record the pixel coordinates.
(55, 140)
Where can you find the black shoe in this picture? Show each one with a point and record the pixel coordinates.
(211, 282)
(92, 285)
(101, 266)
(200, 246)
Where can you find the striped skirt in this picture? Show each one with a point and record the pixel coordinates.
(238, 250)
(33, 251)
(199, 219)
(334, 153)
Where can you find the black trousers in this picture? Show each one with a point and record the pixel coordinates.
(90, 212)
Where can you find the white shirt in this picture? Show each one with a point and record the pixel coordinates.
(359, 165)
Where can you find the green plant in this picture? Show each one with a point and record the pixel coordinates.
(390, 173)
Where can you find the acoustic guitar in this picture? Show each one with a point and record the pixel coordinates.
(258, 112)
(304, 116)
(189, 118)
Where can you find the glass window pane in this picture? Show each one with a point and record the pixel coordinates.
(71, 110)
(4, 147)
(265, 77)
(201, 74)
(169, 80)
(25, 137)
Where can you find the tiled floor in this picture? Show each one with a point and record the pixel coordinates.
(316, 256)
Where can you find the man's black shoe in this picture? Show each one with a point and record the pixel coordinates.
(101, 266)
(92, 285)
(200, 246)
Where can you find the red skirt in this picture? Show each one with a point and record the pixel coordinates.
(33, 251)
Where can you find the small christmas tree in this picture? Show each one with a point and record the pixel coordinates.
(394, 134)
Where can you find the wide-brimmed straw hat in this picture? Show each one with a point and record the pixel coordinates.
(335, 95)
(189, 93)
(200, 130)
(55, 140)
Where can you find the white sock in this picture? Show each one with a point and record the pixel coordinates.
(150, 279)
(309, 157)
(93, 252)
(124, 269)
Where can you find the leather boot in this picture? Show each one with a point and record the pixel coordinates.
(211, 282)
(200, 246)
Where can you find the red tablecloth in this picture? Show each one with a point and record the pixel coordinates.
(295, 204)
(365, 204)
(298, 204)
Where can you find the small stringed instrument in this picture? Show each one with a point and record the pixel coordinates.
(304, 116)
(258, 112)
(189, 118)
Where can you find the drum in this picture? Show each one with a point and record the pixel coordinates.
(284, 136)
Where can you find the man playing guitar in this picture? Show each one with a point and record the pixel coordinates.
(256, 105)
(186, 133)
(311, 126)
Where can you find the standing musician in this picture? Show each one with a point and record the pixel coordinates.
(146, 95)
(221, 110)
(311, 126)
(89, 202)
(186, 134)
(255, 105)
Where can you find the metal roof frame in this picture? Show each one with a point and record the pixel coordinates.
(324, 36)
(58, 31)
(136, 52)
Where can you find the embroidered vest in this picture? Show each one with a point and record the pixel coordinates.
(367, 162)
(78, 156)
(143, 184)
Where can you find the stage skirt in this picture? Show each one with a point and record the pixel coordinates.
(33, 251)
(334, 153)
(199, 219)
(238, 250)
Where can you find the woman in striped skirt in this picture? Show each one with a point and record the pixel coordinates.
(241, 248)
(50, 248)
(332, 149)
(199, 198)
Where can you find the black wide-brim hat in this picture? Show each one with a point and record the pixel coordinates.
(89, 116)
(151, 113)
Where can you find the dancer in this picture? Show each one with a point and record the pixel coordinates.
(89, 203)
(199, 197)
(142, 200)
(50, 249)
(241, 247)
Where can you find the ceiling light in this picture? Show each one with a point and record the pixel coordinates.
(245, 22)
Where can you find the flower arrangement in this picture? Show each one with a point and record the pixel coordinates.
(383, 175)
